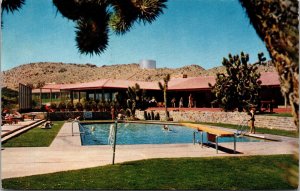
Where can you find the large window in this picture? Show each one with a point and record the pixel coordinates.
(82, 95)
(107, 96)
(91, 96)
(99, 96)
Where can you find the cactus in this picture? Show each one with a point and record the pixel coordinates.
(240, 87)
(135, 98)
(164, 88)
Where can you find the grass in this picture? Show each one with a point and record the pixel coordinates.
(279, 114)
(35, 137)
(258, 129)
(222, 173)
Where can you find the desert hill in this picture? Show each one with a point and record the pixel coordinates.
(46, 72)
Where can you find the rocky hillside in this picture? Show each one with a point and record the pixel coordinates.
(45, 72)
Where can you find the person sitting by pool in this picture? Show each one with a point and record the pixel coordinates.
(120, 116)
(48, 125)
(8, 118)
(4, 112)
(18, 116)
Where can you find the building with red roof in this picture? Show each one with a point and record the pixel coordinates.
(177, 88)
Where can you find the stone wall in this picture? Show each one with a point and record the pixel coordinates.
(236, 118)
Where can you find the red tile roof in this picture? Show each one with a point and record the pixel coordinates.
(124, 84)
(193, 83)
(270, 79)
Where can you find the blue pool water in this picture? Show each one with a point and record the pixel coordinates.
(132, 133)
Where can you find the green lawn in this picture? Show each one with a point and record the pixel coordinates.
(219, 173)
(258, 129)
(35, 137)
(278, 114)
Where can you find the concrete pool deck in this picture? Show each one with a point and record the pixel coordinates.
(66, 153)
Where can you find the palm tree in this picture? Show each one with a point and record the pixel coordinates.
(164, 88)
(94, 19)
(276, 23)
(11, 6)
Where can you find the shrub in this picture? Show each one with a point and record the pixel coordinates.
(93, 105)
(101, 106)
(70, 105)
(62, 105)
(79, 106)
(87, 106)
(62, 70)
(53, 106)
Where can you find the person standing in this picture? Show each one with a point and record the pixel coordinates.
(191, 100)
(181, 102)
(112, 112)
(173, 102)
(251, 121)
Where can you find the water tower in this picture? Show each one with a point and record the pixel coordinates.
(148, 64)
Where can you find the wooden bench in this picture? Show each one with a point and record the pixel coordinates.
(30, 116)
(212, 134)
(7, 121)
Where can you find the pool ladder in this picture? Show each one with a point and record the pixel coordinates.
(76, 121)
(242, 128)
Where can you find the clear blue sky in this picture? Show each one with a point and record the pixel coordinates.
(189, 32)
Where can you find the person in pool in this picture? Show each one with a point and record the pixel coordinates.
(93, 129)
(166, 127)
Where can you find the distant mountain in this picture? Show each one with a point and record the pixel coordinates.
(46, 72)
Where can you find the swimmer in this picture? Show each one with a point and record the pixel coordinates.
(93, 128)
(166, 127)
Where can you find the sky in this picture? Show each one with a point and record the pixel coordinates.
(199, 32)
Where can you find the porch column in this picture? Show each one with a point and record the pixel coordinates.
(79, 97)
(51, 95)
(72, 96)
(60, 95)
(41, 98)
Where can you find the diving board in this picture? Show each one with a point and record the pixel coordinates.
(212, 133)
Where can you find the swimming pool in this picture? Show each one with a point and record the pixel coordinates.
(136, 133)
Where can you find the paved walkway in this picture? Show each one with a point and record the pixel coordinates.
(66, 153)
